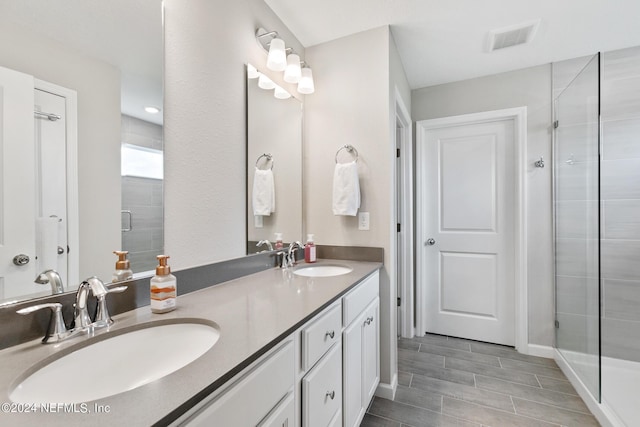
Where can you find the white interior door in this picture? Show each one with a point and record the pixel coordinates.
(468, 193)
(17, 203)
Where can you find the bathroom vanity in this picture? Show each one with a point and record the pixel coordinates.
(292, 350)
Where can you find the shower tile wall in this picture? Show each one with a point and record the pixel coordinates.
(144, 197)
(620, 195)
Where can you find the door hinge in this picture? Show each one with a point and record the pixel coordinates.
(557, 324)
(397, 152)
(556, 124)
(398, 228)
(398, 302)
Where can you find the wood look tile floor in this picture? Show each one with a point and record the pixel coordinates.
(445, 381)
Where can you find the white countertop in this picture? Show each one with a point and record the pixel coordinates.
(253, 314)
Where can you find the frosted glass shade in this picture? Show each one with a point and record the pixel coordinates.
(252, 72)
(280, 93)
(265, 82)
(293, 72)
(305, 85)
(277, 59)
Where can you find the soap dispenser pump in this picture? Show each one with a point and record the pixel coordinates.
(163, 287)
(123, 267)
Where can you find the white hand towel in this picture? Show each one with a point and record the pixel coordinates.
(346, 189)
(264, 192)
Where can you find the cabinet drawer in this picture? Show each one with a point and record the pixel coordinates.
(253, 396)
(322, 391)
(283, 415)
(320, 335)
(360, 297)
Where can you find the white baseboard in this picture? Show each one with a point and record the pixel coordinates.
(388, 391)
(541, 351)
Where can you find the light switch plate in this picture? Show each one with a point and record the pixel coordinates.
(258, 222)
(363, 221)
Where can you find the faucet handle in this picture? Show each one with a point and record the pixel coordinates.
(57, 330)
(102, 317)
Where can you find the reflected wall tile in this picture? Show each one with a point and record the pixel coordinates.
(578, 143)
(577, 257)
(576, 219)
(577, 181)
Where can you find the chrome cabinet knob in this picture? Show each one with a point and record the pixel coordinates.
(330, 334)
(331, 394)
(430, 242)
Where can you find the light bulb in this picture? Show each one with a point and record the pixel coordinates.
(292, 72)
(252, 72)
(277, 58)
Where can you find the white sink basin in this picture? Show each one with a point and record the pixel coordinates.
(117, 364)
(322, 271)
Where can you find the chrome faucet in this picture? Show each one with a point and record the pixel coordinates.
(52, 277)
(265, 242)
(290, 259)
(57, 330)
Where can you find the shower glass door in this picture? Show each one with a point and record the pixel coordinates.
(577, 229)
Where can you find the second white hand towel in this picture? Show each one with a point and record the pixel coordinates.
(264, 192)
(346, 189)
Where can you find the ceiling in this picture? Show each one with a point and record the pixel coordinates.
(124, 33)
(442, 41)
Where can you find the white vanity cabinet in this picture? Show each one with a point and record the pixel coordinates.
(361, 342)
(260, 395)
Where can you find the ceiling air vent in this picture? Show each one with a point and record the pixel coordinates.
(513, 35)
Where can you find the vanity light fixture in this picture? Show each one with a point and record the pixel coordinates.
(295, 70)
(306, 85)
(151, 109)
(280, 93)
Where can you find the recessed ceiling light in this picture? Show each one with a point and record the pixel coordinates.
(152, 110)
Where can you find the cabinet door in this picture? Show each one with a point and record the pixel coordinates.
(322, 390)
(370, 352)
(352, 372)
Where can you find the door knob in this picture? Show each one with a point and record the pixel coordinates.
(430, 242)
(21, 259)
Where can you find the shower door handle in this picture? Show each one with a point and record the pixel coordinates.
(130, 227)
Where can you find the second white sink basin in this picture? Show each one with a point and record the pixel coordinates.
(117, 364)
(322, 270)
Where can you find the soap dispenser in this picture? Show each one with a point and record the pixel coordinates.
(310, 250)
(123, 267)
(279, 244)
(163, 287)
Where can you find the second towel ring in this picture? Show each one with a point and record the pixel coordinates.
(350, 149)
(269, 159)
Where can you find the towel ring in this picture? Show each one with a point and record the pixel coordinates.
(269, 159)
(350, 149)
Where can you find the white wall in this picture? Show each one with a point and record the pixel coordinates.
(352, 105)
(207, 44)
(98, 86)
(529, 87)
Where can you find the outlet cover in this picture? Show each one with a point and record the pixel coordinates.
(258, 221)
(363, 221)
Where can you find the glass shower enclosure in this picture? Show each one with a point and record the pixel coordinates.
(577, 224)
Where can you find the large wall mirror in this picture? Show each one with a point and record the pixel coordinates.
(274, 163)
(82, 157)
